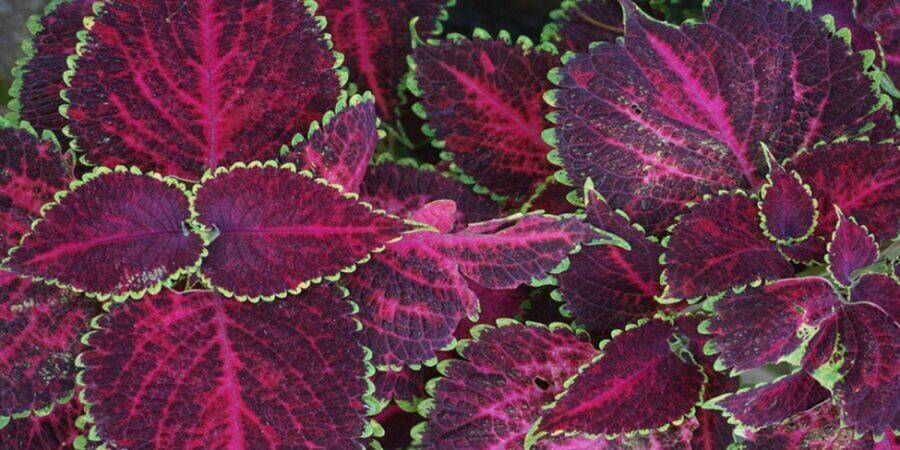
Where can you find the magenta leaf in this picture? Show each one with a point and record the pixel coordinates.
(39, 77)
(283, 374)
(406, 386)
(482, 99)
(579, 23)
(403, 188)
(411, 300)
(787, 209)
(494, 304)
(673, 114)
(645, 379)
(179, 87)
(719, 245)
(40, 328)
(878, 289)
(851, 248)
(607, 287)
(861, 178)
(275, 231)
(492, 398)
(374, 35)
(766, 324)
(771, 403)
(819, 427)
(32, 169)
(440, 214)
(340, 150)
(116, 233)
(56, 430)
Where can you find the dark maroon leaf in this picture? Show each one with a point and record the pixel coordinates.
(851, 248)
(673, 114)
(181, 87)
(819, 427)
(807, 252)
(878, 289)
(719, 245)
(374, 35)
(494, 304)
(644, 380)
(772, 403)
(39, 77)
(551, 197)
(482, 99)
(340, 150)
(491, 400)
(843, 15)
(787, 210)
(579, 23)
(40, 328)
(56, 430)
(881, 16)
(403, 188)
(607, 287)
(767, 324)
(406, 386)
(283, 374)
(397, 424)
(275, 231)
(116, 233)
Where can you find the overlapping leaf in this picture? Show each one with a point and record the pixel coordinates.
(274, 230)
(579, 23)
(114, 234)
(56, 430)
(881, 290)
(851, 249)
(282, 374)
(179, 87)
(340, 150)
(818, 427)
(482, 100)
(39, 77)
(374, 35)
(40, 328)
(881, 17)
(673, 114)
(772, 403)
(31, 171)
(787, 208)
(491, 399)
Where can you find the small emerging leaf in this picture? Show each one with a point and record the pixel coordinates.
(851, 249)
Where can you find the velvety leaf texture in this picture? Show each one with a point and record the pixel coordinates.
(787, 209)
(31, 171)
(179, 87)
(772, 403)
(579, 23)
(403, 188)
(115, 233)
(278, 230)
(341, 149)
(40, 328)
(719, 245)
(675, 113)
(762, 325)
(374, 35)
(40, 78)
(490, 400)
(818, 427)
(607, 287)
(482, 99)
(881, 290)
(56, 430)
(197, 370)
(851, 249)
(638, 383)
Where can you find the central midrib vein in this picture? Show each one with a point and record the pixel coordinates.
(208, 65)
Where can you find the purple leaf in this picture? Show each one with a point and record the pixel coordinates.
(277, 230)
(642, 381)
(39, 78)
(719, 245)
(579, 23)
(406, 386)
(764, 325)
(40, 328)
(843, 15)
(117, 233)
(851, 248)
(494, 304)
(787, 210)
(56, 430)
(551, 196)
(819, 427)
(491, 399)
(374, 35)
(607, 287)
(340, 150)
(482, 99)
(881, 17)
(772, 403)
(284, 374)
(180, 88)
(673, 114)
(402, 188)
(32, 171)
(397, 424)
(878, 289)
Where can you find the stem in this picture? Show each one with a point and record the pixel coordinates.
(599, 24)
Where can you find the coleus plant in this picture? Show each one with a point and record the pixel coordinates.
(184, 269)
